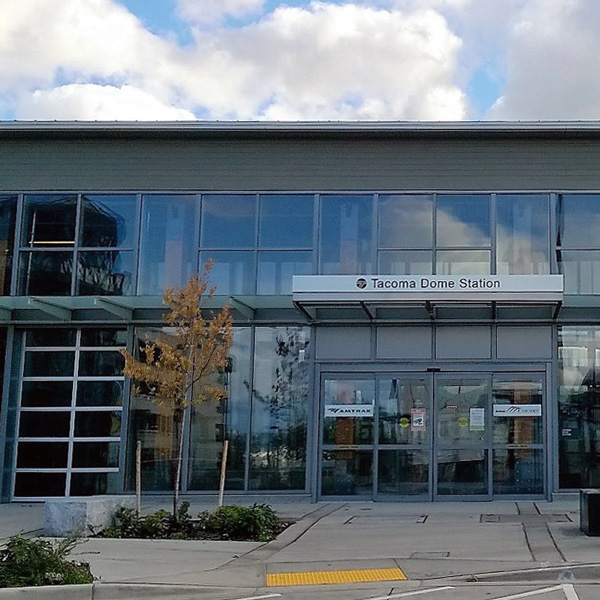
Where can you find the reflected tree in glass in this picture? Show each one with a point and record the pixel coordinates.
(279, 415)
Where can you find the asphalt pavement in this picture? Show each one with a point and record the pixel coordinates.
(351, 551)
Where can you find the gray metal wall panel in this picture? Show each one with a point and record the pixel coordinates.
(525, 342)
(299, 164)
(343, 343)
(463, 342)
(404, 342)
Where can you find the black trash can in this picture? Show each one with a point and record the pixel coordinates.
(589, 511)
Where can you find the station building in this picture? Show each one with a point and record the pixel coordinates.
(417, 306)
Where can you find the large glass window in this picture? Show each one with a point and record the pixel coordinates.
(522, 234)
(405, 221)
(346, 235)
(54, 263)
(279, 409)
(463, 220)
(228, 221)
(8, 209)
(168, 255)
(70, 413)
(579, 407)
(286, 221)
(577, 243)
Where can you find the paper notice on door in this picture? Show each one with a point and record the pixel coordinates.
(417, 419)
(477, 419)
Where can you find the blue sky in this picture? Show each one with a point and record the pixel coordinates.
(439, 60)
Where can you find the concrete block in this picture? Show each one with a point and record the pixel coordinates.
(81, 516)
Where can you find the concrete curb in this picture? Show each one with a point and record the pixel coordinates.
(104, 591)
(50, 592)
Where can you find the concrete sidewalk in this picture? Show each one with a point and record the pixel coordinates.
(487, 541)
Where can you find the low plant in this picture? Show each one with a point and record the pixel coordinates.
(33, 562)
(256, 523)
(241, 523)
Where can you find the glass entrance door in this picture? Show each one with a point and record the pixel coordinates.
(462, 436)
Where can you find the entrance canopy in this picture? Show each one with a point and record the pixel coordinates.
(428, 297)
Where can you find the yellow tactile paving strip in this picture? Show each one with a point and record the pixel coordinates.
(321, 577)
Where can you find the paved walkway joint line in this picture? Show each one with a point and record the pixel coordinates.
(321, 577)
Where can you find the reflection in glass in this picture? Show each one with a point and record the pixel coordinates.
(279, 408)
(581, 270)
(347, 473)
(463, 220)
(50, 337)
(228, 221)
(404, 411)
(578, 221)
(463, 262)
(93, 484)
(403, 472)
(517, 430)
(286, 221)
(8, 210)
(95, 454)
(346, 237)
(105, 273)
(213, 423)
(45, 273)
(167, 255)
(49, 220)
(462, 472)
(48, 364)
(108, 220)
(518, 471)
(276, 269)
(579, 407)
(405, 262)
(46, 393)
(99, 393)
(106, 363)
(350, 430)
(98, 424)
(459, 418)
(522, 234)
(405, 221)
(232, 272)
(103, 337)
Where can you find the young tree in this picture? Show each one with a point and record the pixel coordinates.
(182, 370)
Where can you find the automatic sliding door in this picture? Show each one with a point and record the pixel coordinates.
(347, 430)
(462, 436)
(518, 434)
(404, 436)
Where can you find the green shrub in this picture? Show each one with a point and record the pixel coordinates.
(258, 522)
(242, 523)
(159, 525)
(33, 562)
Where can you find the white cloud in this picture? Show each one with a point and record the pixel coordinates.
(331, 62)
(94, 59)
(213, 11)
(553, 63)
(89, 102)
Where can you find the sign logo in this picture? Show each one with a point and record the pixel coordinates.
(361, 283)
(517, 410)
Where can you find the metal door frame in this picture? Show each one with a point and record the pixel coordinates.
(407, 371)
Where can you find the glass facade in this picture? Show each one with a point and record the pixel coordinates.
(76, 427)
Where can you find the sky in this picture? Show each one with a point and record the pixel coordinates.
(229, 60)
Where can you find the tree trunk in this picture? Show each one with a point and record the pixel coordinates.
(179, 461)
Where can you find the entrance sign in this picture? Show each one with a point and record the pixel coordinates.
(349, 410)
(477, 419)
(517, 410)
(374, 288)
